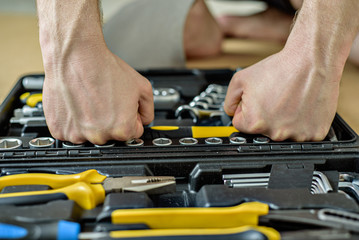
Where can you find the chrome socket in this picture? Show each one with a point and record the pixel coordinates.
(10, 143)
(213, 140)
(71, 145)
(237, 140)
(136, 142)
(42, 142)
(162, 142)
(188, 141)
(106, 145)
(261, 140)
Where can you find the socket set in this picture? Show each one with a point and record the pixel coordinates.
(191, 175)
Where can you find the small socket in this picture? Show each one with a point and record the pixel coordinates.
(71, 145)
(261, 140)
(10, 143)
(213, 140)
(162, 141)
(136, 142)
(237, 140)
(42, 142)
(188, 141)
(106, 145)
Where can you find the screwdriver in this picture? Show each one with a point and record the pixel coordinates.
(196, 217)
(237, 233)
(13, 228)
(188, 131)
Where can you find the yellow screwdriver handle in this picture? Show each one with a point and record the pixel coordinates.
(270, 233)
(171, 218)
(52, 180)
(218, 131)
(85, 195)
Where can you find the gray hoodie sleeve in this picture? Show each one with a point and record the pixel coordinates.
(149, 33)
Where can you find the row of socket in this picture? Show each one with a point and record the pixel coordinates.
(48, 142)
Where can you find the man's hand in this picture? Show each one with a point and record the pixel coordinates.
(89, 93)
(98, 98)
(293, 94)
(282, 99)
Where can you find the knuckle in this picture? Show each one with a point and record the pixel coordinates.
(280, 135)
(122, 133)
(96, 138)
(57, 133)
(258, 126)
(76, 139)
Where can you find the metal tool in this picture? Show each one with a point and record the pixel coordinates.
(188, 141)
(320, 183)
(349, 183)
(206, 106)
(332, 218)
(196, 114)
(216, 97)
(71, 145)
(27, 111)
(237, 140)
(216, 88)
(238, 233)
(165, 98)
(261, 140)
(213, 140)
(109, 144)
(33, 82)
(42, 142)
(136, 142)
(27, 120)
(87, 189)
(350, 188)
(162, 142)
(10, 143)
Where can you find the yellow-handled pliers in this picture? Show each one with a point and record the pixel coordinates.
(87, 189)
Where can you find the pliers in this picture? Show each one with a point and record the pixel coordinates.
(87, 189)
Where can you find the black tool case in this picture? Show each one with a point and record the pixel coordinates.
(209, 171)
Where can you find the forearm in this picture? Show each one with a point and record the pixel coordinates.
(66, 26)
(324, 31)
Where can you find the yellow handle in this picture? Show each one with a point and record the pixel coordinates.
(199, 131)
(171, 218)
(219, 131)
(85, 195)
(52, 180)
(270, 233)
(31, 99)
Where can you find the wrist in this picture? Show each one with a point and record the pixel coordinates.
(56, 52)
(323, 34)
(69, 30)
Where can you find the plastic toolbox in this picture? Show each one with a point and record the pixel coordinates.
(217, 183)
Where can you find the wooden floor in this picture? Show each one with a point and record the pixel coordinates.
(20, 54)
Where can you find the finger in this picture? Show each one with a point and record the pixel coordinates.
(238, 120)
(244, 122)
(139, 127)
(234, 95)
(146, 106)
